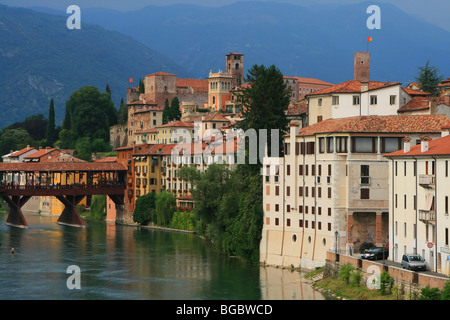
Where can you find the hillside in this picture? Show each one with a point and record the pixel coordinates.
(41, 59)
(315, 41)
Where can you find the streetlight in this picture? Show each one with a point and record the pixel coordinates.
(336, 234)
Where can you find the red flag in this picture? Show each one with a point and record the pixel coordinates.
(369, 39)
(131, 80)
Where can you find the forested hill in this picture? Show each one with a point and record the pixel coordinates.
(40, 59)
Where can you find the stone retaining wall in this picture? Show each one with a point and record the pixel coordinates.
(408, 280)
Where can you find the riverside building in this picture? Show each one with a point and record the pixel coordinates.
(330, 190)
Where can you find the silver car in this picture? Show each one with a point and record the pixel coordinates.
(413, 261)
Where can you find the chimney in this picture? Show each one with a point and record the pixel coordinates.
(406, 144)
(294, 130)
(362, 67)
(424, 143)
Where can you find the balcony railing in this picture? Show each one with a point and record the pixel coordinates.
(427, 215)
(427, 180)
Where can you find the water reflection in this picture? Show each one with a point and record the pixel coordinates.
(121, 262)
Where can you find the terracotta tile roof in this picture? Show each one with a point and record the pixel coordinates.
(352, 86)
(107, 159)
(413, 92)
(439, 146)
(160, 73)
(155, 149)
(176, 124)
(304, 80)
(61, 166)
(199, 85)
(212, 117)
(143, 102)
(21, 152)
(297, 108)
(151, 130)
(416, 104)
(42, 153)
(379, 124)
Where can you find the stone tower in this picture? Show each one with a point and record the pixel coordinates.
(235, 67)
(362, 67)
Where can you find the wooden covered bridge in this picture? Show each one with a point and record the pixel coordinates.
(69, 182)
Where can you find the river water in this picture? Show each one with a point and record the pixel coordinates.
(124, 262)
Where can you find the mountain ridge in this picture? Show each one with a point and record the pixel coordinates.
(41, 59)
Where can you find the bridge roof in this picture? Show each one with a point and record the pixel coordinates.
(61, 166)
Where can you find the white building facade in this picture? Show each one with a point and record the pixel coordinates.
(419, 192)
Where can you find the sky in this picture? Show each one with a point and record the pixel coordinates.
(434, 11)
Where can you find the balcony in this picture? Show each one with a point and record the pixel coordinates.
(427, 180)
(427, 216)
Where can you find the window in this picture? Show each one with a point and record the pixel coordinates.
(321, 145)
(277, 207)
(277, 190)
(373, 100)
(365, 177)
(288, 191)
(319, 118)
(330, 145)
(288, 170)
(392, 99)
(355, 100)
(335, 100)
(319, 102)
(364, 145)
(329, 193)
(341, 144)
(365, 193)
(390, 144)
(446, 205)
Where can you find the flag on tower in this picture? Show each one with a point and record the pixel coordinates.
(369, 39)
(131, 80)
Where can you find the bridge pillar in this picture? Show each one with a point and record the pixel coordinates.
(15, 216)
(70, 215)
(119, 202)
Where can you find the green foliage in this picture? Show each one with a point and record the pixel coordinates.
(445, 294)
(356, 277)
(14, 139)
(50, 132)
(122, 116)
(386, 282)
(228, 208)
(429, 79)
(98, 207)
(85, 146)
(345, 272)
(165, 207)
(171, 112)
(183, 220)
(89, 114)
(264, 102)
(144, 208)
(428, 293)
(141, 86)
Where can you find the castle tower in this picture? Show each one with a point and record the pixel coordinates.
(219, 93)
(235, 67)
(362, 67)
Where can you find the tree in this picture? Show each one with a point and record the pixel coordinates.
(122, 116)
(50, 132)
(428, 293)
(264, 103)
(165, 207)
(89, 113)
(166, 112)
(429, 79)
(144, 208)
(141, 86)
(175, 111)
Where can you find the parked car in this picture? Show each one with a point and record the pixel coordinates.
(413, 261)
(375, 253)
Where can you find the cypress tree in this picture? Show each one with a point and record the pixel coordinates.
(50, 132)
(175, 111)
(167, 112)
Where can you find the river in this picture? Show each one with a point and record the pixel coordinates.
(125, 262)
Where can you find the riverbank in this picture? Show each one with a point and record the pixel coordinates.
(155, 227)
